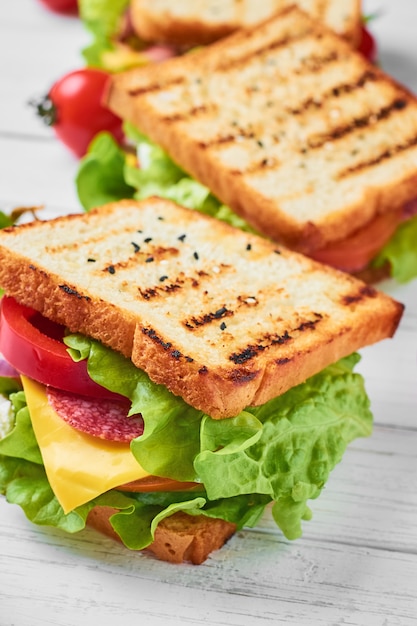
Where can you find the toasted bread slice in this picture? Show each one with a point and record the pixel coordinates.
(196, 22)
(285, 124)
(178, 538)
(223, 318)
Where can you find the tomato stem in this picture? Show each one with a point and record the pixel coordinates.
(45, 109)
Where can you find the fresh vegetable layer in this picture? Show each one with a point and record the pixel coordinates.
(281, 453)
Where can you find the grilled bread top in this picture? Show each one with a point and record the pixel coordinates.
(195, 22)
(286, 124)
(223, 318)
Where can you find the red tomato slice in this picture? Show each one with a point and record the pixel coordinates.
(156, 483)
(367, 45)
(61, 6)
(354, 253)
(33, 346)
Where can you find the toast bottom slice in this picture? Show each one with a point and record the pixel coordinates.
(179, 538)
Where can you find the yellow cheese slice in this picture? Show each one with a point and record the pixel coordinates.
(79, 467)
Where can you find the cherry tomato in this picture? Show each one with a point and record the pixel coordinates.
(367, 45)
(33, 346)
(355, 253)
(61, 6)
(156, 483)
(73, 108)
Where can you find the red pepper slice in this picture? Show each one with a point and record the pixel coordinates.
(33, 346)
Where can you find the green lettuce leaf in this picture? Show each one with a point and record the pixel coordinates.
(21, 442)
(106, 175)
(169, 451)
(280, 453)
(9, 385)
(401, 252)
(101, 18)
(284, 450)
(5, 220)
(100, 177)
(305, 433)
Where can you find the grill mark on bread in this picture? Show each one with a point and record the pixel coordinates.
(156, 86)
(241, 376)
(364, 291)
(281, 43)
(153, 292)
(194, 111)
(311, 103)
(164, 289)
(317, 142)
(273, 339)
(207, 318)
(312, 64)
(365, 121)
(154, 253)
(383, 156)
(70, 291)
(168, 285)
(166, 345)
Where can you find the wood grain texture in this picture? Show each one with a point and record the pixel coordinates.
(356, 564)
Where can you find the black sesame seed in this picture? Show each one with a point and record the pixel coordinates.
(163, 278)
(182, 237)
(195, 255)
(223, 326)
(149, 259)
(220, 312)
(161, 219)
(135, 246)
(111, 269)
(249, 246)
(91, 260)
(148, 239)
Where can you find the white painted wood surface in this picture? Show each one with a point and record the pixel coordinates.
(357, 561)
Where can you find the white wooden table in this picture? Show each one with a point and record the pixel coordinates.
(357, 561)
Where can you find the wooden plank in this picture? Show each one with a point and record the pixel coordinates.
(256, 579)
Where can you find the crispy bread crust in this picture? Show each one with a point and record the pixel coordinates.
(170, 23)
(178, 538)
(233, 326)
(342, 153)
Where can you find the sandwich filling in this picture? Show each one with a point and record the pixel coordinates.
(278, 454)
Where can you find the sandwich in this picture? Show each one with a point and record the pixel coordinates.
(188, 23)
(136, 32)
(173, 376)
(302, 138)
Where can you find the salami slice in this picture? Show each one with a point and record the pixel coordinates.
(105, 419)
